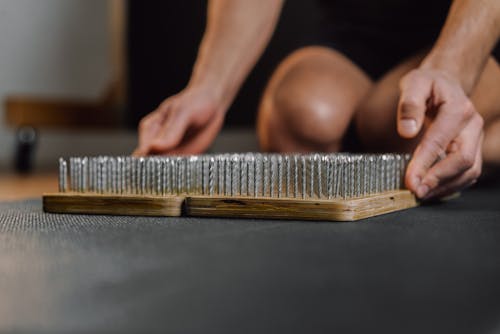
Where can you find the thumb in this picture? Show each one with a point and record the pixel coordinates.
(416, 90)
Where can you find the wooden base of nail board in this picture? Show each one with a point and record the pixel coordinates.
(296, 209)
(233, 207)
(119, 205)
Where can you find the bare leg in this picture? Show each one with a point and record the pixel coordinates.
(310, 101)
(487, 101)
(491, 146)
(376, 117)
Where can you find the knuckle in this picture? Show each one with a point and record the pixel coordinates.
(144, 124)
(412, 74)
(407, 79)
(468, 110)
(177, 111)
(479, 119)
(165, 104)
(435, 145)
(174, 112)
(432, 180)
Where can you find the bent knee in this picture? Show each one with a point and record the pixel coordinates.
(310, 108)
(312, 97)
(311, 118)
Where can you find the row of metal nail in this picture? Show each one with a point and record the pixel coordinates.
(322, 176)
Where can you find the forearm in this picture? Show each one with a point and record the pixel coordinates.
(466, 40)
(237, 32)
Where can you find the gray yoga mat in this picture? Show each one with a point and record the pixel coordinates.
(433, 269)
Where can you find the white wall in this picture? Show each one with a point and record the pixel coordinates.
(57, 48)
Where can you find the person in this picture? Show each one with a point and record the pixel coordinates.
(441, 103)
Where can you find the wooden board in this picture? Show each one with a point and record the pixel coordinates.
(326, 210)
(235, 207)
(121, 205)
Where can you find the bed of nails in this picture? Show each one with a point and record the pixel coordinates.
(317, 176)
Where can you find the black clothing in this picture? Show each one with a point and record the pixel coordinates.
(377, 35)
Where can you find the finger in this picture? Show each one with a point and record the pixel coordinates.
(451, 119)
(415, 92)
(200, 141)
(145, 134)
(148, 129)
(138, 152)
(449, 189)
(171, 134)
(150, 126)
(460, 182)
(461, 158)
(141, 151)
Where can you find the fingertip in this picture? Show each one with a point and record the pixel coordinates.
(139, 152)
(412, 180)
(417, 185)
(430, 196)
(160, 146)
(422, 191)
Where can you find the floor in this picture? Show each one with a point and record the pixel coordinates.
(63, 273)
(20, 186)
(432, 269)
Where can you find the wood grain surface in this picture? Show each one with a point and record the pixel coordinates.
(235, 207)
(119, 205)
(308, 209)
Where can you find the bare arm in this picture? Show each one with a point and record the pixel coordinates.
(448, 157)
(466, 41)
(236, 34)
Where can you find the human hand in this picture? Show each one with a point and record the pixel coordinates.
(186, 123)
(448, 158)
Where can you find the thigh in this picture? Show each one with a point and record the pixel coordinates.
(486, 98)
(310, 100)
(376, 117)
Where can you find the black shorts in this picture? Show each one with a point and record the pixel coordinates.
(378, 35)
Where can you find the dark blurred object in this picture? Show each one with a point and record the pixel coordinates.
(490, 178)
(163, 39)
(29, 114)
(26, 140)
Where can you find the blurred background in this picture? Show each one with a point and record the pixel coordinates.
(76, 76)
(53, 49)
